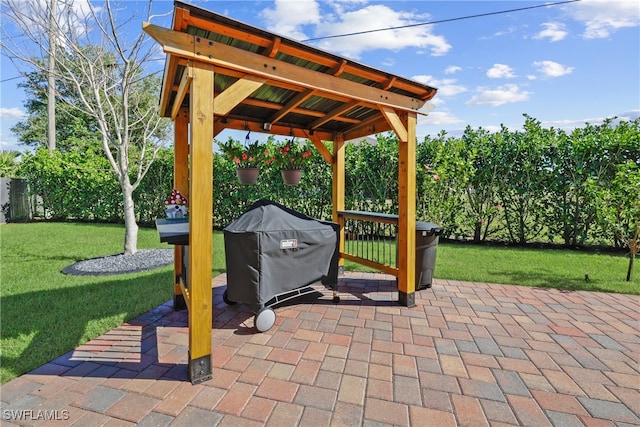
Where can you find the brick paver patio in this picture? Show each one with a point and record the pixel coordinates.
(469, 354)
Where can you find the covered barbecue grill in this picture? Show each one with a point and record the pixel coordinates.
(273, 254)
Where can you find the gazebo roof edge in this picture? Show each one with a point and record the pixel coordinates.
(214, 17)
(265, 82)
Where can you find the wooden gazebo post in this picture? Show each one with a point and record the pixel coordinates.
(407, 209)
(338, 187)
(403, 124)
(201, 221)
(181, 183)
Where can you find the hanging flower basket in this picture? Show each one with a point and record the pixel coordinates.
(247, 158)
(290, 157)
(291, 176)
(247, 176)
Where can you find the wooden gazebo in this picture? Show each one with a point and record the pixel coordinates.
(221, 73)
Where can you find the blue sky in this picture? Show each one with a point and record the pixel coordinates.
(563, 65)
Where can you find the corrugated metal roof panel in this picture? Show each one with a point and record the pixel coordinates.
(301, 62)
(317, 103)
(360, 113)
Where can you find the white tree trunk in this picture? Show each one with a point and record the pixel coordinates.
(130, 224)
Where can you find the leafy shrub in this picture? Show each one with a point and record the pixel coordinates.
(538, 184)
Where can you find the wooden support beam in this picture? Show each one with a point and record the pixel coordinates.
(338, 69)
(301, 111)
(167, 83)
(374, 124)
(338, 188)
(407, 212)
(236, 93)
(181, 152)
(334, 113)
(219, 54)
(238, 75)
(200, 222)
(390, 83)
(183, 89)
(241, 124)
(293, 103)
(363, 261)
(395, 122)
(322, 149)
(275, 46)
(180, 183)
(235, 58)
(217, 129)
(181, 18)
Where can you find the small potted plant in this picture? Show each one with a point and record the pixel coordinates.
(247, 159)
(290, 157)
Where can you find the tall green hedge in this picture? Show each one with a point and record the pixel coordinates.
(538, 184)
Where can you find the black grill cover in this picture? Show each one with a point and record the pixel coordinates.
(271, 249)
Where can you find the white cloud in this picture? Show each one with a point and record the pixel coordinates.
(426, 108)
(629, 115)
(438, 100)
(452, 69)
(341, 6)
(79, 9)
(603, 17)
(438, 118)
(11, 113)
(376, 17)
(389, 62)
(10, 145)
(552, 69)
(446, 87)
(33, 20)
(501, 33)
(295, 19)
(500, 71)
(9, 117)
(425, 79)
(287, 17)
(501, 95)
(570, 125)
(8, 140)
(553, 31)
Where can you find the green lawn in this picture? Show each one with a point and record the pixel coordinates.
(45, 314)
(548, 268)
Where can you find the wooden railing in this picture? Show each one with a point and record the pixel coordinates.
(371, 239)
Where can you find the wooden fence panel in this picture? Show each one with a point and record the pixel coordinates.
(15, 202)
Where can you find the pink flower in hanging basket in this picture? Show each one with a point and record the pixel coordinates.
(292, 155)
(244, 156)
